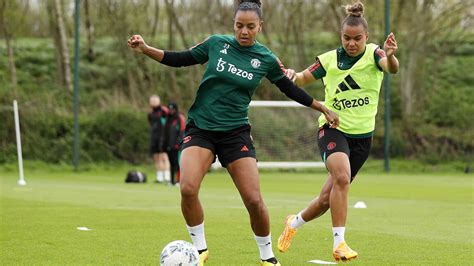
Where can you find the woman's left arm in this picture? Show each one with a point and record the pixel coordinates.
(299, 95)
(390, 63)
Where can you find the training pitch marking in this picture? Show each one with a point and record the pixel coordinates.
(321, 262)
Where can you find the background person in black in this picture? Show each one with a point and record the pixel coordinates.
(157, 119)
(173, 133)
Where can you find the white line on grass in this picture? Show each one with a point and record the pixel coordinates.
(322, 262)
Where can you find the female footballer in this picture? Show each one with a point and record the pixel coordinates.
(352, 76)
(218, 124)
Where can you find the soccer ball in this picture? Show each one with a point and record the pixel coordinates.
(179, 253)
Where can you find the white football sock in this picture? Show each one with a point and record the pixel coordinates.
(264, 244)
(298, 221)
(338, 234)
(167, 176)
(159, 176)
(197, 236)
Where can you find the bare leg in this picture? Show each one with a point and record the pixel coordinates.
(340, 170)
(195, 161)
(163, 161)
(244, 173)
(319, 205)
(333, 195)
(156, 161)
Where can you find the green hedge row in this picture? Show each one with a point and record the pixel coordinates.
(122, 134)
(107, 136)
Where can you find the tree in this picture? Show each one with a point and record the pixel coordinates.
(8, 41)
(89, 32)
(423, 28)
(58, 26)
(173, 86)
(156, 18)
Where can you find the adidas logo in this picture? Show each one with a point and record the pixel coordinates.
(192, 234)
(244, 148)
(336, 234)
(226, 46)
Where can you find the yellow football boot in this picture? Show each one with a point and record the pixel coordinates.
(203, 257)
(284, 241)
(344, 252)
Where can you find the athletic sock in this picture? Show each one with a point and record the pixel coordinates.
(338, 234)
(167, 176)
(197, 236)
(298, 221)
(159, 176)
(264, 244)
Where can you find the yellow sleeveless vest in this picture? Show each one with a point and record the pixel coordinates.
(353, 93)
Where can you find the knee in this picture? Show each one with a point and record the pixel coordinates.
(189, 190)
(342, 179)
(254, 204)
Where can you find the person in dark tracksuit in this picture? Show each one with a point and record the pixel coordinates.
(157, 119)
(173, 134)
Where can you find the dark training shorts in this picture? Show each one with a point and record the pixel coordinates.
(331, 140)
(227, 145)
(156, 146)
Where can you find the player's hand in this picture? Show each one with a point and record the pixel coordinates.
(332, 118)
(291, 74)
(137, 43)
(390, 46)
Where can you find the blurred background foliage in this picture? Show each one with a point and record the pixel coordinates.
(432, 95)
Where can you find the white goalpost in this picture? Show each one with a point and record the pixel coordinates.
(284, 135)
(21, 180)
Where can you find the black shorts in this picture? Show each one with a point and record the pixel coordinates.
(331, 140)
(156, 146)
(228, 146)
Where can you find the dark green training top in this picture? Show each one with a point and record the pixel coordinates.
(232, 74)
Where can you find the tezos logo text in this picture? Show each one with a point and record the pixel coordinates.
(346, 104)
(223, 65)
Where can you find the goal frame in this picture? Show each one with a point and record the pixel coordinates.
(279, 164)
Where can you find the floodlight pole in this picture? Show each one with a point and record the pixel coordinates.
(386, 85)
(77, 12)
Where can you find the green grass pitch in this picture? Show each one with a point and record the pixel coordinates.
(419, 219)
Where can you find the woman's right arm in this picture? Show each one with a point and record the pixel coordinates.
(137, 43)
(173, 59)
(301, 78)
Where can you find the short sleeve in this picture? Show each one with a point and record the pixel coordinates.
(378, 55)
(200, 51)
(317, 69)
(276, 71)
